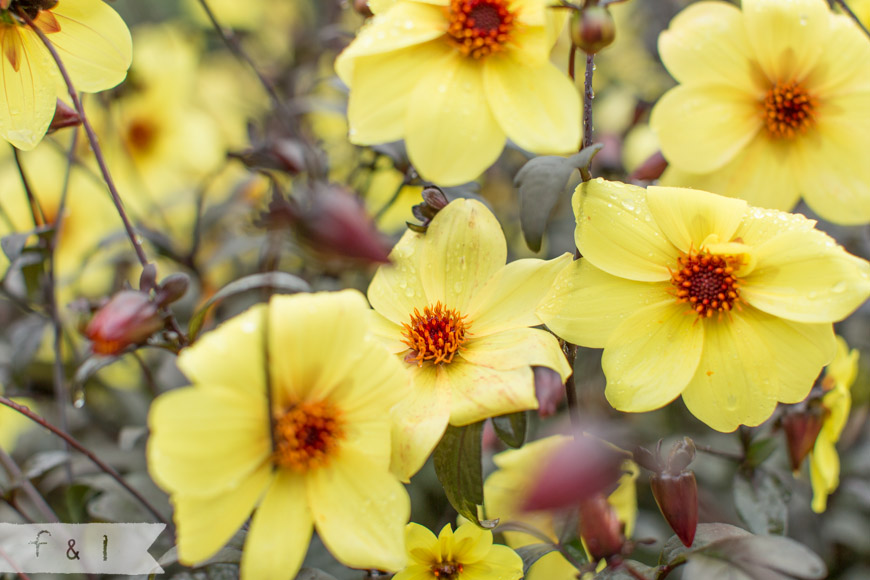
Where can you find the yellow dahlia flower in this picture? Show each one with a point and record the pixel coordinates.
(459, 318)
(92, 41)
(506, 488)
(320, 461)
(703, 296)
(453, 78)
(466, 554)
(824, 460)
(771, 105)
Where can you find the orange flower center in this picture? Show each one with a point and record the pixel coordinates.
(307, 435)
(707, 283)
(435, 336)
(447, 570)
(480, 27)
(788, 110)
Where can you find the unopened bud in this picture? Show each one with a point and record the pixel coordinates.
(434, 201)
(362, 8)
(549, 390)
(592, 28)
(600, 527)
(172, 288)
(337, 223)
(651, 169)
(801, 431)
(130, 317)
(677, 498)
(64, 116)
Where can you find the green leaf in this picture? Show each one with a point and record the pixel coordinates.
(43, 462)
(620, 573)
(511, 428)
(457, 461)
(760, 499)
(274, 281)
(674, 551)
(532, 553)
(760, 450)
(13, 244)
(91, 365)
(751, 557)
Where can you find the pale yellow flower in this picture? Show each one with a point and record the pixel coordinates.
(455, 78)
(824, 460)
(699, 295)
(321, 461)
(771, 105)
(459, 318)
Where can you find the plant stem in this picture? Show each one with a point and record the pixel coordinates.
(27, 486)
(842, 4)
(587, 102)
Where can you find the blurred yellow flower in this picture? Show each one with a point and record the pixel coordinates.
(323, 463)
(506, 488)
(94, 45)
(467, 554)
(824, 460)
(459, 318)
(454, 78)
(698, 295)
(771, 105)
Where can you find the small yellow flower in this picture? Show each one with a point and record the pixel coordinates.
(454, 78)
(698, 295)
(94, 45)
(459, 318)
(507, 487)
(320, 461)
(771, 105)
(467, 554)
(824, 460)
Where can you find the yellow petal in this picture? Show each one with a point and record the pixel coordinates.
(414, 572)
(480, 392)
(735, 383)
(205, 524)
(520, 347)
(28, 80)
(687, 217)
(844, 66)
(805, 277)
(702, 127)
(389, 31)
(707, 43)
(451, 134)
(187, 455)
(533, 45)
(501, 564)
(471, 543)
(529, 12)
(376, 381)
(420, 543)
(314, 343)
(387, 332)
(586, 304)
(232, 355)
(651, 356)
(397, 289)
(378, 101)
(787, 38)
(764, 173)
(824, 472)
(509, 298)
(421, 420)
(616, 232)
(464, 248)
(360, 512)
(760, 225)
(93, 43)
(280, 531)
(538, 107)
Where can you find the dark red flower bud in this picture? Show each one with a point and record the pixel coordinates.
(651, 169)
(592, 28)
(549, 390)
(434, 201)
(600, 527)
(64, 116)
(677, 498)
(337, 223)
(171, 289)
(130, 317)
(801, 431)
(362, 8)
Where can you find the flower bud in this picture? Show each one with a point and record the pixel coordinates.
(600, 527)
(434, 201)
(801, 430)
(337, 223)
(172, 288)
(129, 317)
(362, 8)
(549, 390)
(64, 116)
(677, 498)
(592, 28)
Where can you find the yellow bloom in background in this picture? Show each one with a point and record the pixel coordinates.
(507, 487)
(454, 78)
(93, 42)
(703, 296)
(459, 318)
(824, 460)
(467, 554)
(771, 105)
(332, 386)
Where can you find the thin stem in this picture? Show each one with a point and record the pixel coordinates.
(18, 572)
(109, 470)
(92, 139)
(724, 454)
(842, 4)
(572, 58)
(587, 102)
(570, 351)
(26, 485)
(35, 208)
(406, 179)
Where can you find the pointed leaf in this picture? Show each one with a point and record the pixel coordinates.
(760, 499)
(511, 428)
(459, 469)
